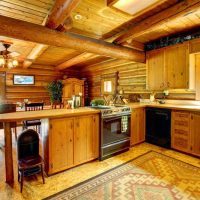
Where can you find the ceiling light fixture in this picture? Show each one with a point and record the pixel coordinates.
(78, 17)
(6, 60)
(133, 6)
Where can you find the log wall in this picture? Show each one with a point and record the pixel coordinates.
(37, 92)
(132, 77)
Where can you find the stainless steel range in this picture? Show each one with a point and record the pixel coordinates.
(115, 130)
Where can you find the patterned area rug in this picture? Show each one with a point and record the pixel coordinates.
(152, 176)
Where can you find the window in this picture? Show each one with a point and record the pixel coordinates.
(107, 86)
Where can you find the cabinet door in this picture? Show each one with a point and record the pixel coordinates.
(77, 89)
(180, 131)
(137, 126)
(177, 66)
(68, 91)
(155, 67)
(195, 133)
(60, 144)
(84, 139)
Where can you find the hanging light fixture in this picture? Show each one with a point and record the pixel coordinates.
(6, 60)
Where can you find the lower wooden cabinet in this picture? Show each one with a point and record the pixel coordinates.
(195, 133)
(85, 139)
(180, 131)
(185, 132)
(61, 142)
(137, 126)
(72, 141)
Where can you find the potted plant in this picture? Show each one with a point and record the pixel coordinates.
(55, 91)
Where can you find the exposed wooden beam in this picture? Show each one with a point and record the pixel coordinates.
(35, 33)
(60, 12)
(106, 65)
(134, 44)
(78, 59)
(66, 26)
(181, 9)
(35, 53)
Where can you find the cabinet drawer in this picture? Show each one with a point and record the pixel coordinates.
(182, 123)
(181, 116)
(181, 132)
(181, 143)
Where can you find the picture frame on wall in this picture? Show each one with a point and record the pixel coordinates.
(19, 79)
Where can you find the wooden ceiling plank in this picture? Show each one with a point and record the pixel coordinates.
(19, 12)
(60, 12)
(29, 4)
(178, 10)
(21, 8)
(42, 35)
(35, 53)
(78, 59)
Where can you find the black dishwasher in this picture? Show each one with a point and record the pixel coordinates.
(158, 126)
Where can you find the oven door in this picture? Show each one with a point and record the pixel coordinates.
(115, 129)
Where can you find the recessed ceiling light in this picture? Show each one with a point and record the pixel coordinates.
(78, 17)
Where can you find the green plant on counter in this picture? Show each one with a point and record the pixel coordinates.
(97, 102)
(55, 91)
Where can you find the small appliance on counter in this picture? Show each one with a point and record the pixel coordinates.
(76, 101)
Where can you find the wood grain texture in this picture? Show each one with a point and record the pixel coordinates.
(36, 92)
(60, 12)
(173, 13)
(28, 31)
(137, 126)
(55, 113)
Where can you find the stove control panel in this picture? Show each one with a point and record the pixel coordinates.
(116, 111)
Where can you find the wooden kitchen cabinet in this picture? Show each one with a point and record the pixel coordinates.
(61, 144)
(180, 131)
(177, 66)
(195, 133)
(72, 86)
(72, 141)
(84, 139)
(185, 132)
(168, 67)
(155, 68)
(137, 126)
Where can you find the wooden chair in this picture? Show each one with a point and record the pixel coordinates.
(29, 160)
(36, 122)
(8, 108)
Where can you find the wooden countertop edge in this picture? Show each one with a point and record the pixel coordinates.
(167, 106)
(51, 114)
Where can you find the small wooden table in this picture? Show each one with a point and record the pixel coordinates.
(8, 118)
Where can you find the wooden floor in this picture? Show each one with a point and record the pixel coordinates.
(35, 190)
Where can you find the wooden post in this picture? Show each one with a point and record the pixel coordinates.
(8, 153)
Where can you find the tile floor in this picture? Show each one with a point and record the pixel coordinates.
(35, 190)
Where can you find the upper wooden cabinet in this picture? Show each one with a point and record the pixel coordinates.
(137, 126)
(168, 67)
(72, 86)
(177, 66)
(156, 73)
